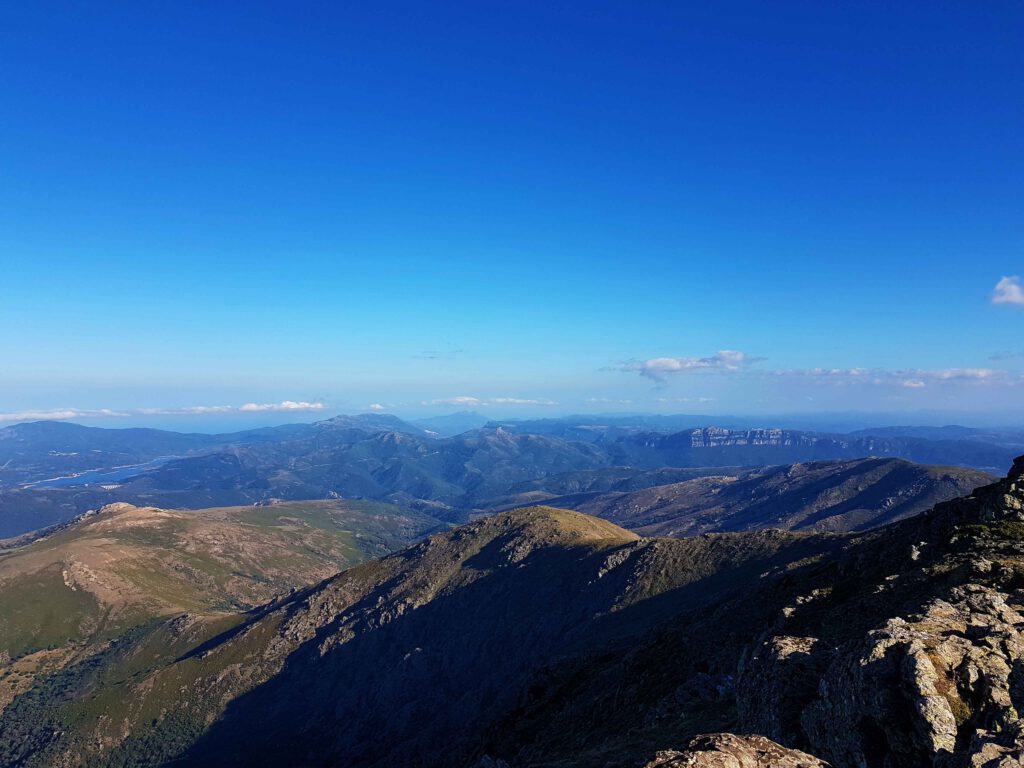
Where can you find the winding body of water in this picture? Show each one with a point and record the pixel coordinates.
(101, 476)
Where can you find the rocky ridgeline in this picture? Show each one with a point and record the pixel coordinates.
(942, 686)
(910, 655)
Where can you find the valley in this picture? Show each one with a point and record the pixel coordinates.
(382, 458)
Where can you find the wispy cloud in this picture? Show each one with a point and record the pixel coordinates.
(660, 368)
(71, 414)
(911, 378)
(1009, 291)
(286, 405)
(376, 407)
(58, 414)
(607, 401)
(468, 401)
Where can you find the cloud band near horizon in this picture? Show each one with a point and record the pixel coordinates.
(66, 414)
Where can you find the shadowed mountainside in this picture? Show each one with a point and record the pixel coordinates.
(820, 496)
(549, 638)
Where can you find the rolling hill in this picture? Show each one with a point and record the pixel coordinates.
(67, 593)
(542, 637)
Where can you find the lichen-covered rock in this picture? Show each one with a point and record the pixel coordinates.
(726, 750)
(943, 688)
(939, 679)
(947, 683)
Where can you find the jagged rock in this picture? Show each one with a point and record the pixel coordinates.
(943, 688)
(725, 750)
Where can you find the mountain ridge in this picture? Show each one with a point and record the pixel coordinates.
(558, 639)
(822, 496)
(370, 456)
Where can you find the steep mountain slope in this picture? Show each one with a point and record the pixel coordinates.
(466, 618)
(596, 481)
(64, 593)
(821, 496)
(549, 638)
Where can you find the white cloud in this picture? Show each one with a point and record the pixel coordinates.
(286, 405)
(659, 368)
(468, 401)
(464, 401)
(970, 374)
(58, 414)
(68, 414)
(376, 407)
(910, 378)
(1009, 291)
(187, 410)
(607, 400)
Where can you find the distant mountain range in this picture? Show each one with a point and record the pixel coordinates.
(50, 472)
(546, 638)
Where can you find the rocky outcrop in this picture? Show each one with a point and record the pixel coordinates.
(945, 687)
(942, 685)
(725, 750)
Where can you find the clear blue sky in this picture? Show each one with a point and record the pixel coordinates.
(397, 203)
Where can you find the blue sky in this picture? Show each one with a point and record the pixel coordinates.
(516, 207)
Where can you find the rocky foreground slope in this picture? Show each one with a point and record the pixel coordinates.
(542, 637)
